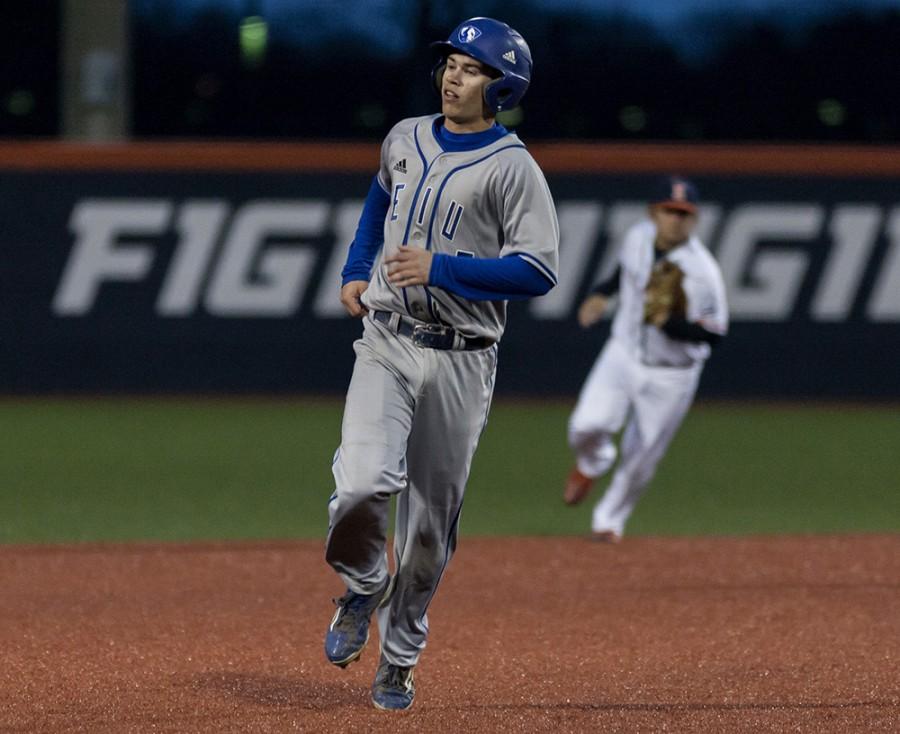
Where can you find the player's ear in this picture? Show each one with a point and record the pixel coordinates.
(437, 74)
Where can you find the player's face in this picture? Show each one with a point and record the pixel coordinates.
(673, 226)
(462, 90)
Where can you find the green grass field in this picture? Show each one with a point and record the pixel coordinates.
(170, 469)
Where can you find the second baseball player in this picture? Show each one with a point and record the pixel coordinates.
(647, 373)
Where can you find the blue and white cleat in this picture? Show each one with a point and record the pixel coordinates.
(348, 632)
(393, 689)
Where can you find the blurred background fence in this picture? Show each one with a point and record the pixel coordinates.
(217, 269)
(179, 180)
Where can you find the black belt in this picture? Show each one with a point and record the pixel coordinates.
(432, 336)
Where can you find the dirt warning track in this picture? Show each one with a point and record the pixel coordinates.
(527, 635)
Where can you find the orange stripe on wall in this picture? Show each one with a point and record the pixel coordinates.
(579, 158)
(180, 156)
(718, 159)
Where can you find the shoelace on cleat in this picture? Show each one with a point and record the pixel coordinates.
(350, 604)
(397, 677)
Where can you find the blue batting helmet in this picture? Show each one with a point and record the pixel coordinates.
(496, 45)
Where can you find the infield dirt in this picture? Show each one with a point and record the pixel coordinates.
(755, 634)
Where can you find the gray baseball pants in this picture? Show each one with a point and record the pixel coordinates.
(412, 420)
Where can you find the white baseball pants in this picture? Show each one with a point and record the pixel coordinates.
(650, 402)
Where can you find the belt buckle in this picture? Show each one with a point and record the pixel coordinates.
(433, 336)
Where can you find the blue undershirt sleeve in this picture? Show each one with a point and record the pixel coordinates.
(507, 278)
(369, 235)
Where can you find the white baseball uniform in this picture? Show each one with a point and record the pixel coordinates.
(643, 379)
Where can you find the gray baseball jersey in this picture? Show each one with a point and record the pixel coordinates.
(487, 203)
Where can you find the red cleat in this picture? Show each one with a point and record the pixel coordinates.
(606, 536)
(577, 487)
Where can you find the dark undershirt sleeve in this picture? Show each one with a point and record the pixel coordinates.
(684, 330)
(608, 287)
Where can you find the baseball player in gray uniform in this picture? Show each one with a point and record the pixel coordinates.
(458, 220)
(646, 375)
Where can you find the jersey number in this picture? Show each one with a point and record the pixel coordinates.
(396, 199)
(451, 221)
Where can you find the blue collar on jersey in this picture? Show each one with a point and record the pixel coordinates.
(459, 142)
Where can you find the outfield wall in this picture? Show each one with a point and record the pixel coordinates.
(215, 267)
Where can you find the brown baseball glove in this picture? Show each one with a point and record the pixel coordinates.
(664, 295)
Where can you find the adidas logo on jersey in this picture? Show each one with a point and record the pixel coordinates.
(400, 165)
(510, 56)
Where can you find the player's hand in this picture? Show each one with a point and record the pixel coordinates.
(350, 294)
(592, 309)
(409, 266)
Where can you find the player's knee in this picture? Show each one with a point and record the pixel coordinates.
(578, 436)
(364, 490)
(606, 452)
(364, 478)
(591, 438)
